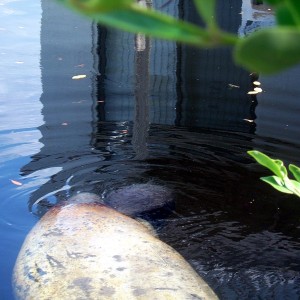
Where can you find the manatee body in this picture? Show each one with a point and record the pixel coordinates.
(85, 250)
(139, 198)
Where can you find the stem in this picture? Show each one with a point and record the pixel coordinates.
(221, 38)
(228, 39)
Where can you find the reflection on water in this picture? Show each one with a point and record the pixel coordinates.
(20, 90)
(150, 112)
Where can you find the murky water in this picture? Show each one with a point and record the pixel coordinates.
(189, 133)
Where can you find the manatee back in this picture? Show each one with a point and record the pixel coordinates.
(89, 251)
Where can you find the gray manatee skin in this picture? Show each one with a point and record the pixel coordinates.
(85, 250)
(139, 198)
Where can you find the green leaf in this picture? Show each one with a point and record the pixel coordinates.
(266, 161)
(275, 2)
(292, 185)
(156, 25)
(97, 5)
(294, 8)
(295, 171)
(284, 16)
(207, 10)
(275, 182)
(281, 166)
(296, 186)
(269, 50)
(134, 18)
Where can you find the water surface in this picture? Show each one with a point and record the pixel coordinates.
(167, 115)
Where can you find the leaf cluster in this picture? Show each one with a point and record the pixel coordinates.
(266, 51)
(280, 180)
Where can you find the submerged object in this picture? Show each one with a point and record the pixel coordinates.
(86, 250)
(139, 198)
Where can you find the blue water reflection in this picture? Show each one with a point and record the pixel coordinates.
(20, 110)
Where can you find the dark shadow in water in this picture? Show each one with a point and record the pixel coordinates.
(101, 50)
(214, 89)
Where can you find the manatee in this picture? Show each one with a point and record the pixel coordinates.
(139, 198)
(83, 249)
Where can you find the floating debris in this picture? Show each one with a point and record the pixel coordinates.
(16, 182)
(76, 77)
(233, 86)
(78, 102)
(252, 93)
(248, 120)
(257, 89)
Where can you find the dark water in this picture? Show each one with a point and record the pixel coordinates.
(189, 133)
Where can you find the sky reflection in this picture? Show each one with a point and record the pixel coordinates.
(20, 114)
(20, 78)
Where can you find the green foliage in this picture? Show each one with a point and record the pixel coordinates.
(269, 50)
(153, 24)
(100, 6)
(129, 16)
(280, 181)
(266, 51)
(295, 171)
(274, 2)
(206, 10)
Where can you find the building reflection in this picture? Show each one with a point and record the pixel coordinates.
(214, 89)
(186, 87)
(69, 47)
